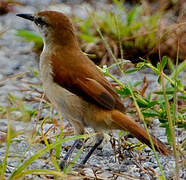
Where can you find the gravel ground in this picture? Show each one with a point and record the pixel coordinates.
(16, 57)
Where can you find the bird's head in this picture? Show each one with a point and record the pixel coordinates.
(53, 26)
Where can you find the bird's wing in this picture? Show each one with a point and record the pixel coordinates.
(85, 80)
(96, 91)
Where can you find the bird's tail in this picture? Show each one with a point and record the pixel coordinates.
(126, 123)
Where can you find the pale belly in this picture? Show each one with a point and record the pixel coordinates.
(70, 106)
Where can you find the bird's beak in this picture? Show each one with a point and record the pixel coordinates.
(26, 16)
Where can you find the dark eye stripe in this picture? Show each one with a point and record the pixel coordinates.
(40, 21)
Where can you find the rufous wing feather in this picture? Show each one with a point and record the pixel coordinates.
(96, 91)
(89, 83)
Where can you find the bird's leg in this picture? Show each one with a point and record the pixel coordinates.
(99, 140)
(77, 144)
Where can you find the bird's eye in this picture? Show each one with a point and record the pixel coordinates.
(40, 21)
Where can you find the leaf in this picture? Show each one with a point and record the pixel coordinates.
(170, 64)
(168, 91)
(150, 113)
(131, 70)
(142, 102)
(163, 121)
(125, 92)
(152, 103)
(179, 69)
(159, 80)
(158, 67)
(164, 62)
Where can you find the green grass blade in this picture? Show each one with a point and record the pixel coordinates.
(40, 172)
(29, 36)
(44, 150)
(175, 110)
(55, 163)
(69, 168)
(58, 147)
(9, 137)
(150, 138)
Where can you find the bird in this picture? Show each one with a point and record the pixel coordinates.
(77, 88)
